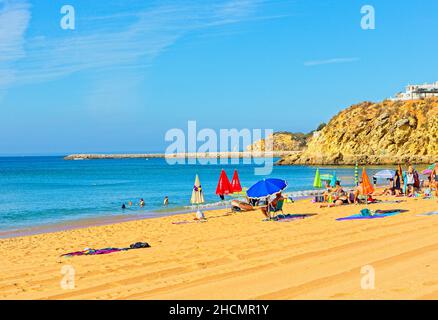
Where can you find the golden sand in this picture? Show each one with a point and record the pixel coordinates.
(235, 257)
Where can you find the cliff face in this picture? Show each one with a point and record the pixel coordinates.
(376, 133)
(281, 141)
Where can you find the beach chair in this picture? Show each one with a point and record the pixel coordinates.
(278, 207)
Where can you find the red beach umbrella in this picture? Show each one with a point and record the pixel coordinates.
(223, 185)
(235, 183)
(366, 184)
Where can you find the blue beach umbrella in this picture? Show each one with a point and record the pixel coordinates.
(334, 179)
(266, 187)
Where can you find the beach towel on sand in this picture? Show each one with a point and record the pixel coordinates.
(288, 217)
(88, 252)
(377, 215)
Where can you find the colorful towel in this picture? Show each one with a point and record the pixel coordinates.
(88, 252)
(375, 216)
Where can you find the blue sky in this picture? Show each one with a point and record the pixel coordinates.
(130, 71)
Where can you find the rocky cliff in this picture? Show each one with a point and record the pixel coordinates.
(282, 141)
(376, 133)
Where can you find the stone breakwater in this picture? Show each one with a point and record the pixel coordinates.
(211, 155)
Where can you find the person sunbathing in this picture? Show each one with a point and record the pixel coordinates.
(336, 203)
(390, 190)
(339, 197)
(328, 191)
(237, 206)
(359, 194)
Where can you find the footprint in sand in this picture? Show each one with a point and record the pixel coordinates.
(430, 283)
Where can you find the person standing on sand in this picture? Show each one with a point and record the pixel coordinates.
(397, 183)
(410, 180)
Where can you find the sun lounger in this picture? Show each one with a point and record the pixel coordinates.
(278, 208)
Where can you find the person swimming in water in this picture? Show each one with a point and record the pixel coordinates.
(166, 201)
(123, 206)
(141, 203)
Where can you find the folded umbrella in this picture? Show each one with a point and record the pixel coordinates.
(317, 181)
(223, 185)
(235, 183)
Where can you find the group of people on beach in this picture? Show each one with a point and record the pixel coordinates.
(337, 196)
(402, 184)
(414, 186)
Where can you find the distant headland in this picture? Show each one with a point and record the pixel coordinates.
(388, 132)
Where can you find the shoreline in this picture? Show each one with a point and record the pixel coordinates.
(97, 221)
(82, 223)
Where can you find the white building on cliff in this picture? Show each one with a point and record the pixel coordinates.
(416, 91)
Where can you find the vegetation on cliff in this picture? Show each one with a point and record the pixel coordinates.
(376, 133)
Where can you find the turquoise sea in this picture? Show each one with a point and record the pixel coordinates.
(37, 191)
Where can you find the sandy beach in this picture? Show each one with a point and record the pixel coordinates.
(237, 256)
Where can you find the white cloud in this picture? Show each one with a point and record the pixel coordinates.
(330, 61)
(14, 21)
(107, 41)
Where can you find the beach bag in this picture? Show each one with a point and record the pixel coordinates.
(139, 245)
(365, 212)
(200, 215)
